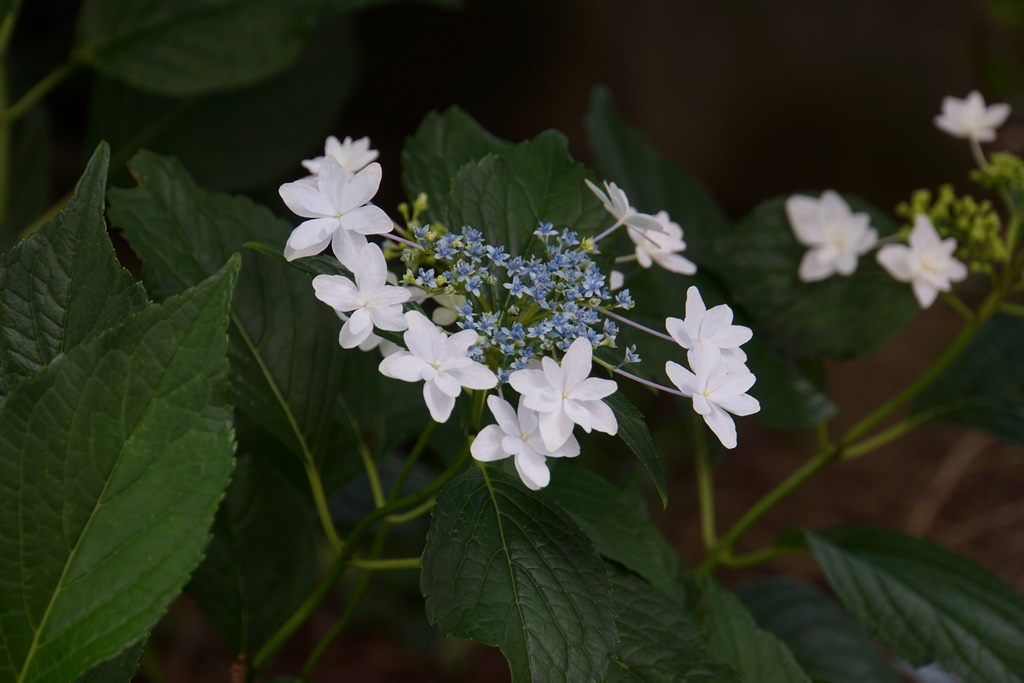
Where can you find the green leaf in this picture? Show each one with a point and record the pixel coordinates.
(262, 561)
(286, 365)
(63, 284)
(442, 145)
(120, 669)
(652, 182)
(837, 317)
(190, 47)
(634, 433)
(926, 603)
(984, 387)
(659, 641)
(504, 566)
(112, 462)
(506, 195)
(825, 640)
(238, 139)
(736, 640)
(619, 526)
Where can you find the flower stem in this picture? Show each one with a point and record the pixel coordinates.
(412, 459)
(415, 513)
(369, 464)
(607, 232)
(639, 380)
(377, 565)
(1012, 309)
(316, 485)
(705, 485)
(395, 238)
(755, 558)
(642, 328)
(37, 92)
(957, 304)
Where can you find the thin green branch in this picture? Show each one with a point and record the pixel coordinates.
(7, 28)
(705, 485)
(757, 557)
(378, 565)
(414, 455)
(417, 512)
(957, 304)
(1012, 309)
(369, 464)
(38, 92)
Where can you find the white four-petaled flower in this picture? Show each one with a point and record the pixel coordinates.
(352, 156)
(970, 118)
(834, 235)
(717, 389)
(711, 330)
(370, 301)
(440, 361)
(518, 434)
(617, 204)
(662, 247)
(566, 394)
(337, 209)
(927, 263)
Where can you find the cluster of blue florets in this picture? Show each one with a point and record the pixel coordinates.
(521, 306)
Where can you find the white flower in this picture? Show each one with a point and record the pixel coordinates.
(446, 313)
(617, 204)
(836, 236)
(337, 209)
(440, 361)
(711, 330)
(565, 394)
(518, 435)
(717, 388)
(370, 300)
(970, 118)
(662, 247)
(352, 156)
(616, 280)
(927, 264)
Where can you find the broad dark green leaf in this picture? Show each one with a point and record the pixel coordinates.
(262, 561)
(659, 641)
(737, 641)
(112, 462)
(63, 284)
(190, 47)
(789, 400)
(242, 138)
(926, 603)
(506, 195)
(506, 567)
(652, 182)
(619, 526)
(825, 640)
(286, 364)
(120, 669)
(984, 387)
(442, 145)
(634, 433)
(837, 317)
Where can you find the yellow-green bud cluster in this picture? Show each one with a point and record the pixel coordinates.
(975, 224)
(1004, 171)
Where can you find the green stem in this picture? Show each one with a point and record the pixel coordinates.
(914, 389)
(417, 512)
(7, 28)
(377, 565)
(1012, 309)
(5, 147)
(957, 304)
(755, 558)
(414, 455)
(369, 464)
(316, 485)
(891, 434)
(37, 92)
(705, 485)
(277, 641)
(763, 506)
(978, 154)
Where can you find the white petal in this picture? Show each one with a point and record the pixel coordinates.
(528, 382)
(337, 291)
(895, 258)
(355, 330)
(504, 413)
(367, 220)
(576, 363)
(722, 425)
(578, 413)
(404, 366)
(602, 418)
(601, 196)
(371, 270)
(741, 405)
(305, 200)
(420, 335)
(684, 380)
(346, 246)
(593, 389)
(438, 403)
(674, 263)
(333, 183)
(555, 428)
(532, 469)
(925, 293)
(360, 188)
(678, 330)
(388, 318)
(802, 213)
(570, 449)
(817, 264)
(474, 376)
(311, 234)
